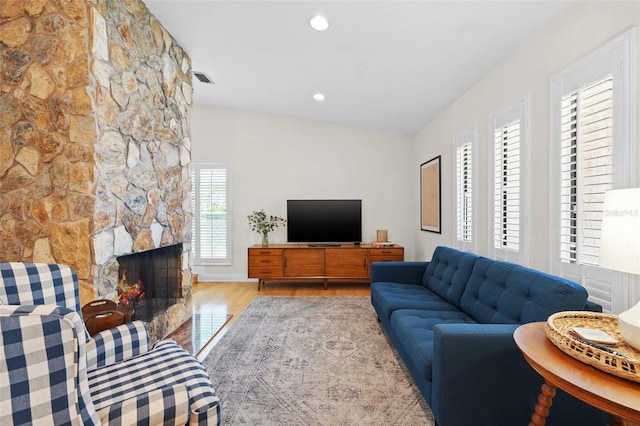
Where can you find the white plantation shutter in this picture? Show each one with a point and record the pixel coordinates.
(211, 242)
(509, 182)
(586, 169)
(506, 187)
(592, 130)
(464, 201)
(569, 178)
(464, 186)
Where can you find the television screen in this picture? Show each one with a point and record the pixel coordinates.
(324, 221)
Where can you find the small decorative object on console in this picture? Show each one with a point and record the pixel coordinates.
(382, 244)
(263, 224)
(382, 235)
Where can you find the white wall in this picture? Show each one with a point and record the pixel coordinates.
(581, 29)
(275, 158)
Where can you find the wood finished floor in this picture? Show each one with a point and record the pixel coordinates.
(233, 297)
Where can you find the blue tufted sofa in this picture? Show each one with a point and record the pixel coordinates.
(452, 321)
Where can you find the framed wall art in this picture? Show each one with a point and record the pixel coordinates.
(430, 197)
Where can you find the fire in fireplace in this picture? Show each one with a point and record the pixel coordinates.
(150, 281)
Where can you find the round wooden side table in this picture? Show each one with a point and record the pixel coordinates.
(609, 393)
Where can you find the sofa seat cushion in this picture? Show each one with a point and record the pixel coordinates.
(506, 293)
(448, 272)
(167, 365)
(414, 331)
(392, 296)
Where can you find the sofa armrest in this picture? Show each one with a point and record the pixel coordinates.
(592, 307)
(117, 344)
(475, 367)
(168, 405)
(398, 272)
(480, 377)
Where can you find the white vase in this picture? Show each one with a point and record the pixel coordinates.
(629, 326)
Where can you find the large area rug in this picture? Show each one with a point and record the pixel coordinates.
(312, 361)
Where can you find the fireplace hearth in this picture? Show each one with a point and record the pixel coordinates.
(150, 281)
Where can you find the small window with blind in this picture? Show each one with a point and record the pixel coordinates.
(509, 137)
(464, 168)
(211, 239)
(586, 169)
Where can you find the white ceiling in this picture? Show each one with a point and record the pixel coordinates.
(384, 65)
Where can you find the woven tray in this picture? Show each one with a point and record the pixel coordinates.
(558, 329)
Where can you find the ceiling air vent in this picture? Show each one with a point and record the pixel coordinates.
(204, 78)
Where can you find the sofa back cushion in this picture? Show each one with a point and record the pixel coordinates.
(448, 272)
(501, 292)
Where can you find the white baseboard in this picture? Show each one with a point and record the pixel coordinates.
(224, 277)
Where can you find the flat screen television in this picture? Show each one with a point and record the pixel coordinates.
(324, 221)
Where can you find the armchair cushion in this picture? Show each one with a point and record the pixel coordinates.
(42, 375)
(167, 364)
(150, 408)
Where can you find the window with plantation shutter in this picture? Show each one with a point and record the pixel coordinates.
(464, 146)
(211, 242)
(506, 187)
(509, 136)
(586, 130)
(592, 151)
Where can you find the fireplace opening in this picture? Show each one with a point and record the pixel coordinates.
(150, 281)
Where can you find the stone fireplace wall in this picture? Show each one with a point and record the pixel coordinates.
(95, 102)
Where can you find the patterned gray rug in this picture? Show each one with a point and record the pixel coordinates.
(312, 361)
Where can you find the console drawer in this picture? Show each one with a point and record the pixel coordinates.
(265, 272)
(386, 254)
(258, 261)
(386, 258)
(265, 251)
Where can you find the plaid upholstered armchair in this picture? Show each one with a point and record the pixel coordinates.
(53, 372)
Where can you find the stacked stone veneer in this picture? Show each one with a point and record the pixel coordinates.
(95, 105)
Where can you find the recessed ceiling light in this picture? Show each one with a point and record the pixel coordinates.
(318, 97)
(319, 23)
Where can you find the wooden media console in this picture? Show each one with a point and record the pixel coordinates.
(298, 262)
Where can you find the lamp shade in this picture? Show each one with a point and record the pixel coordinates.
(620, 237)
